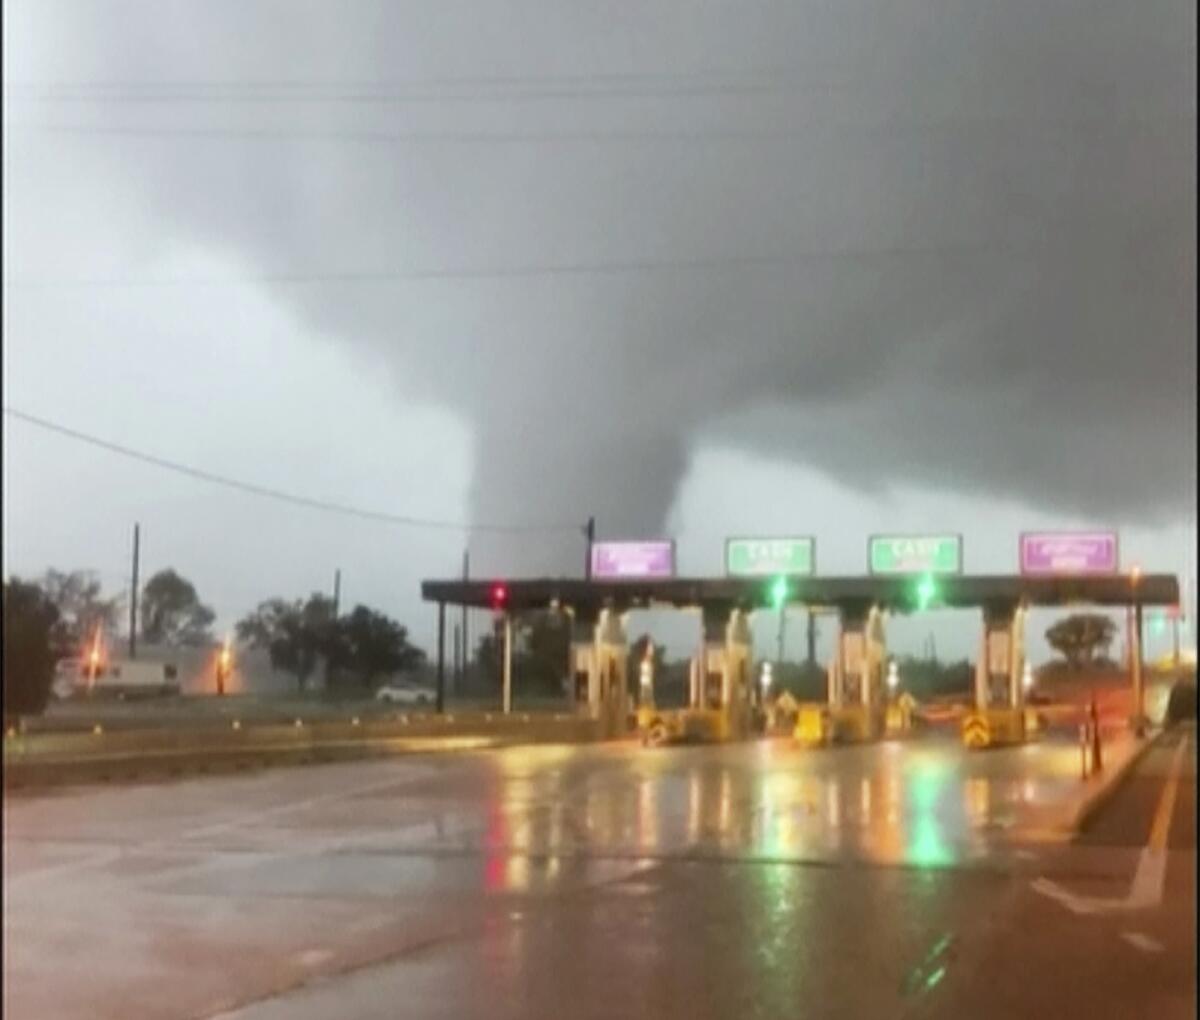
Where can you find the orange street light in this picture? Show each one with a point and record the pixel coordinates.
(224, 667)
(95, 656)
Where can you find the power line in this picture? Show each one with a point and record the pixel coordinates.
(703, 135)
(277, 494)
(614, 267)
(351, 95)
(445, 81)
(441, 137)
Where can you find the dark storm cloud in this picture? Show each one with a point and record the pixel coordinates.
(946, 243)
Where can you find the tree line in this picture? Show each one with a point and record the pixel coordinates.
(58, 615)
(355, 650)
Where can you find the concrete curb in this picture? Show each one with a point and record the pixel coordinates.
(161, 766)
(1110, 783)
(126, 762)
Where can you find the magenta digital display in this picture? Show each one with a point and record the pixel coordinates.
(1069, 552)
(633, 560)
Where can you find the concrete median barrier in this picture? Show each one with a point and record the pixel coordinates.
(40, 760)
(1062, 820)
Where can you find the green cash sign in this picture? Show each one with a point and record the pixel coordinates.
(915, 554)
(770, 557)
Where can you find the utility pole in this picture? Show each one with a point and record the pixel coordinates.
(441, 658)
(1139, 686)
(811, 637)
(589, 532)
(458, 662)
(337, 591)
(507, 675)
(466, 639)
(133, 596)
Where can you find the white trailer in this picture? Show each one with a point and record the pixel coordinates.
(127, 678)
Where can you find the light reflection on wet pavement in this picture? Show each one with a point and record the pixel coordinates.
(488, 884)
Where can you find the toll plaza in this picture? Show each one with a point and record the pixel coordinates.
(722, 689)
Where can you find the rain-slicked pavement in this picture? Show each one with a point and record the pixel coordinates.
(754, 880)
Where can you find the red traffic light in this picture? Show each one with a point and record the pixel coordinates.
(499, 596)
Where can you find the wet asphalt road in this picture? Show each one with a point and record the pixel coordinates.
(755, 880)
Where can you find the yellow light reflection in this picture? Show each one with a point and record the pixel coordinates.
(516, 873)
(693, 814)
(833, 805)
(647, 815)
(977, 798)
(726, 803)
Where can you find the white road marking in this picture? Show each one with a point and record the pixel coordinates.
(1143, 942)
(1147, 887)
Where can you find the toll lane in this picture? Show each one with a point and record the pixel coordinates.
(747, 879)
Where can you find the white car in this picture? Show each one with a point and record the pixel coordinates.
(403, 694)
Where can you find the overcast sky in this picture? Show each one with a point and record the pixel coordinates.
(705, 268)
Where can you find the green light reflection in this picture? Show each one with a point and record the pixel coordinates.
(927, 847)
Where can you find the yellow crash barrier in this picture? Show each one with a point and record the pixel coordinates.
(813, 725)
(663, 726)
(993, 727)
(900, 715)
(854, 724)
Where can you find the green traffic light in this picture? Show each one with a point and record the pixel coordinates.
(779, 592)
(926, 591)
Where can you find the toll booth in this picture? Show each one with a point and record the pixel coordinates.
(583, 660)
(721, 683)
(719, 701)
(609, 691)
(645, 696)
(999, 715)
(599, 662)
(736, 675)
(857, 701)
